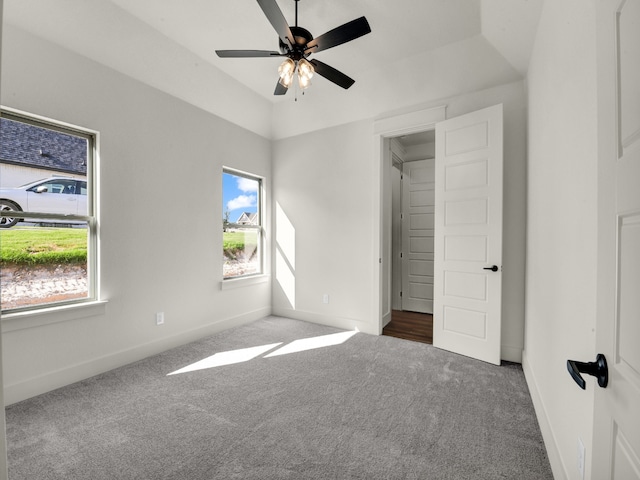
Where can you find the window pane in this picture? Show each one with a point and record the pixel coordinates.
(47, 253)
(241, 225)
(241, 255)
(43, 265)
(43, 169)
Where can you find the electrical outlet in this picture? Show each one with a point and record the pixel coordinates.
(581, 459)
(325, 298)
(159, 318)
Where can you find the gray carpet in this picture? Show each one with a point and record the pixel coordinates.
(368, 408)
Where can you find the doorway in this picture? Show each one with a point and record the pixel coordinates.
(412, 237)
(467, 271)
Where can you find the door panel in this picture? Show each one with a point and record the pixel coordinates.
(616, 440)
(417, 235)
(465, 212)
(468, 235)
(465, 247)
(466, 322)
(465, 285)
(466, 175)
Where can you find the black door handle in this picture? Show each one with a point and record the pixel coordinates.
(493, 268)
(598, 369)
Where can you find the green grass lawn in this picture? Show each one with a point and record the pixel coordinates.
(238, 240)
(233, 243)
(50, 246)
(43, 246)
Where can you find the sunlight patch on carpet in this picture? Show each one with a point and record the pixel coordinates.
(245, 354)
(227, 358)
(314, 342)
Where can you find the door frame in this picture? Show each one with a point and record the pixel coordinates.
(385, 129)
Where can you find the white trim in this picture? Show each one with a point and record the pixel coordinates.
(39, 317)
(408, 123)
(26, 116)
(91, 218)
(511, 353)
(385, 128)
(260, 216)
(550, 443)
(322, 319)
(237, 282)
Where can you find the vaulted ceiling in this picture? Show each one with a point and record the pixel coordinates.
(418, 51)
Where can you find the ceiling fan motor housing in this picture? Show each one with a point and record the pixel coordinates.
(301, 36)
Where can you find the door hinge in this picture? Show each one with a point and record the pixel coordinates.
(400, 293)
(402, 216)
(401, 254)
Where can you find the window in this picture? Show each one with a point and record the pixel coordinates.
(48, 246)
(241, 224)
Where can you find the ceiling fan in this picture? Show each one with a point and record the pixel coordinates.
(297, 43)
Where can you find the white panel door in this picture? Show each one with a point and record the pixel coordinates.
(417, 235)
(616, 432)
(468, 235)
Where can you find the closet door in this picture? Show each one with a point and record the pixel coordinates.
(417, 235)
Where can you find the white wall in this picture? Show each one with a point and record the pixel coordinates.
(323, 217)
(324, 180)
(160, 219)
(561, 226)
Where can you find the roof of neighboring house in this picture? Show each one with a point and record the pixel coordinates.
(251, 217)
(29, 145)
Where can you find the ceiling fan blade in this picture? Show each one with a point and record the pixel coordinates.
(277, 20)
(247, 53)
(339, 35)
(332, 74)
(280, 89)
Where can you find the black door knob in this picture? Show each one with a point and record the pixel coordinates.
(597, 369)
(494, 268)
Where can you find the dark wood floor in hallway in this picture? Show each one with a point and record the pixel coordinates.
(410, 326)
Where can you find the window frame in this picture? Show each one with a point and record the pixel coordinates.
(259, 228)
(91, 217)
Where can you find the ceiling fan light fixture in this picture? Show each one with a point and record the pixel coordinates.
(286, 71)
(305, 68)
(305, 72)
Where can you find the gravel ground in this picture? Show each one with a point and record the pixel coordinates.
(234, 268)
(20, 287)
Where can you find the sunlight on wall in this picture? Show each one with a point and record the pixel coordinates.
(245, 354)
(286, 255)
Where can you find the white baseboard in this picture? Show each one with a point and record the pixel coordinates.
(328, 320)
(511, 353)
(31, 387)
(557, 467)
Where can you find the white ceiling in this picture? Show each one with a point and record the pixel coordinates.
(170, 44)
(402, 29)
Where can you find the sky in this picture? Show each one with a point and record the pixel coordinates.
(239, 194)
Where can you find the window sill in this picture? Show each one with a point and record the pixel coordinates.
(243, 281)
(46, 316)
